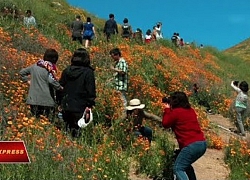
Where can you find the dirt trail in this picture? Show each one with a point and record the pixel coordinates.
(211, 165)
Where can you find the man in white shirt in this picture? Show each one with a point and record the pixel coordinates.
(29, 20)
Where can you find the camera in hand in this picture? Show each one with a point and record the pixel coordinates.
(166, 100)
(236, 83)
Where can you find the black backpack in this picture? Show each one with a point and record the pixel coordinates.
(125, 30)
(174, 38)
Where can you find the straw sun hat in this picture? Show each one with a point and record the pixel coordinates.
(135, 104)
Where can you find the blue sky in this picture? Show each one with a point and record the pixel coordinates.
(218, 23)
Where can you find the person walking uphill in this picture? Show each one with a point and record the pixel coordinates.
(241, 104)
(110, 27)
(77, 29)
(40, 78)
(88, 32)
(182, 119)
(126, 29)
(79, 91)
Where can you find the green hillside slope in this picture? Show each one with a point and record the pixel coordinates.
(241, 50)
(103, 152)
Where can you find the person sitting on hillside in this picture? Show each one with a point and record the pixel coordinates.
(88, 32)
(126, 29)
(29, 20)
(137, 114)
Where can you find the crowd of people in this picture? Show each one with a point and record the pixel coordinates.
(86, 31)
(111, 28)
(75, 93)
(83, 31)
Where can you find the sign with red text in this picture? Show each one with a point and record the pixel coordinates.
(13, 152)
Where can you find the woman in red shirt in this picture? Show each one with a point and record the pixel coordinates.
(182, 119)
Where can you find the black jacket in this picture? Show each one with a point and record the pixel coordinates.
(110, 27)
(79, 89)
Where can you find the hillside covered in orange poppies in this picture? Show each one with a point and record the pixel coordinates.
(155, 71)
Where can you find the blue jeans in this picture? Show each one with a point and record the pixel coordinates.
(188, 155)
(145, 132)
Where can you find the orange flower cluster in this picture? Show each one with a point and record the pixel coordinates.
(154, 71)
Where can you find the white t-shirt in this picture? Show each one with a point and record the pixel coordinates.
(28, 21)
(148, 36)
(158, 34)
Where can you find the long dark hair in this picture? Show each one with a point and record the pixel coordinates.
(179, 99)
(80, 58)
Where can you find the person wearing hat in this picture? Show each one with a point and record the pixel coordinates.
(135, 110)
(79, 90)
(241, 104)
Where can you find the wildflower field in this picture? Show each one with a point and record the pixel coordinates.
(104, 152)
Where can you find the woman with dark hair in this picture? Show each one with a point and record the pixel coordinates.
(41, 79)
(88, 32)
(182, 119)
(241, 104)
(79, 91)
